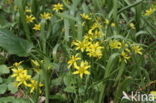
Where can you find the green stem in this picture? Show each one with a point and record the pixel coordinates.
(101, 98)
(109, 68)
(43, 36)
(115, 7)
(45, 70)
(25, 25)
(138, 16)
(45, 73)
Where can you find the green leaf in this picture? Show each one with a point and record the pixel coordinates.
(12, 88)
(69, 79)
(66, 16)
(11, 99)
(4, 69)
(3, 88)
(21, 100)
(121, 71)
(66, 26)
(89, 101)
(55, 49)
(130, 6)
(70, 89)
(121, 87)
(13, 44)
(98, 87)
(56, 82)
(58, 96)
(8, 99)
(1, 80)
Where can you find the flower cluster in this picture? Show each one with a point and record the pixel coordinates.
(22, 78)
(93, 45)
(80, 65)
(90, 45)
(125, 49)
(43, 16)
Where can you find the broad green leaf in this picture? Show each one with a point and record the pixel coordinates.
(69, 79)
(3, 88)
(8, 99)
(70, 89)
(13, 44)
(56, 82)
(12, 87)
(4, 69)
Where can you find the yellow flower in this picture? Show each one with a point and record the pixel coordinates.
(18, 71)
(82, 68)
(124, 56)
(22, 79)
(73, 60)
(114, 44)
(35, 63)
(21, 76)
(96, 25)
(17, 64)
(46, 15)
(58, 7)
(90, 31)
(124, 44)
(106, 21)
(30, 18)
(37, 27)
(93, 35)
(150, 11)
(83, 23)
(85, 16)
(88, 37)
(94, 50)
(137, 49)
(34, 85)
(28, 10)
(131, 25)
(113, 24)
(81, 45)
(98, 34)
(127, 50)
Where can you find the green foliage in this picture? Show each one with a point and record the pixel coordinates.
(44, 54)
(10, 99)
(6, 84)
(4, 69)
(14, 45)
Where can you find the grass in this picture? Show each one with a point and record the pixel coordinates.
(117, 49)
